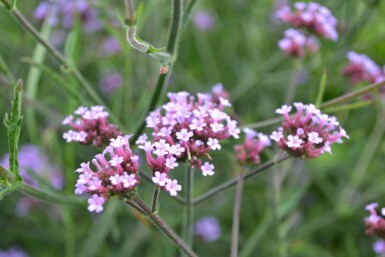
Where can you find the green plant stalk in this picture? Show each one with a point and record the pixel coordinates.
(60, 57)
(155, 200)
(165, 228)
(234, 181)
(188, 211)
(69, 232)
(32, 82)
(172, 49)
(333, 102)
(187, 12)
(236, 216)
(321, 89)
(290, 93)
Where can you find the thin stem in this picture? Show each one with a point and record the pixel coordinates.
(136, 207)
(234, 181)
(162, 225)
(155, 197)
(172, 49)
(290, 93)
(187, 12)
(130, 16)
(188, 212)
(60, 57)
(236, 214)
(330, 103)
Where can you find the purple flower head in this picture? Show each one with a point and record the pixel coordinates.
(203, 20)
(297, 44)
(311, 16)
(110, 82)
(14, 252)
(362, 69)
(90, 126)
(208, 229)
(114, 172)
(308, 133)
(375, 223)
(379, 247)
(111, 46)
(186, 129)
(253, 145)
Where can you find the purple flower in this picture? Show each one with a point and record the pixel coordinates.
(111, 46)
(14, 252)
(110, 82)
(379, 246)
(297, 44)
(208, 229)
(203, 20)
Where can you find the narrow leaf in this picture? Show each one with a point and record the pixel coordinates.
(321, 89)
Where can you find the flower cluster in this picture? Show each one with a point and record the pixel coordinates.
(375, 224)
(90, 126)
(362, 69)
(203, 20)
(379, 247)
(308, 133)
(33, 161)
(14, 251)
(185, 129)
(253, 145)
(67, 10)
(116, 174)
(208, 228)
(315, 18)
(297, 44)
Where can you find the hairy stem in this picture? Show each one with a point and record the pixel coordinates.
(167, 230)
(236, 213)
(155, 198)
(188, 211)
(173, 40)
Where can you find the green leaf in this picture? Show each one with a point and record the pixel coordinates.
(138, 11)
(13, 124)
(7, 183)
(321, 89)
(70, 48)
(348, 107)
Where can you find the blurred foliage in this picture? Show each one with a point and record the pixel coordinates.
(320, 202)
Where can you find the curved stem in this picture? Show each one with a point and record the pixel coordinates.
(162, 225)
(236, 213)
(234, 181)
(188, 212)
(172, 44)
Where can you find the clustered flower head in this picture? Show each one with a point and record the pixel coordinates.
(90, 126)
(208, 228)
(362, 69)
(116, 174)
(375, 224)
(68, 10)
(203, 20)
(252, 146)
(185, 129)
(14, 251)
(296, 44)
(308, 133)
(33, 162)
(315, 18)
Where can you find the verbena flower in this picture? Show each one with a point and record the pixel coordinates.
(110, 82)
(114, 172)
(253, 145)
(32, 161)
(65, 12)
(208, 228)
(186, 129)
(297, 44)
(203, 20)
(379, 247)
(375, 224)
(14, 251)
(362, 69)
(311, 16)
(111, 46)
(90, 126)
(308, 133)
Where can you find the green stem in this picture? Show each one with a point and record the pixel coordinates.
(69, 232)
(172, 49)
(234, 181)
(155, 198)
(163, 226)
(236, 213)
(187, 12)
(290, 93)
(188, 211)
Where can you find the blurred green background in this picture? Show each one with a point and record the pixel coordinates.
(315, 208)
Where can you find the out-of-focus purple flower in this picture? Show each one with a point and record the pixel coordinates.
(253, 145)
(362, 69)
(297, 44)
(204, 20)
(316, 18)
(208, 228)
(13, 252)
(111, 46)
(65, 11)
(32, 159)
(110, 82)
(379, 247)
